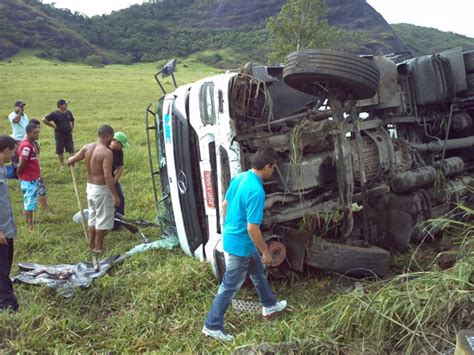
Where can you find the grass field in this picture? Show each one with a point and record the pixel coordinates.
(155, 301)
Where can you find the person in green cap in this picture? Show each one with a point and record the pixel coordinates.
(119, 142)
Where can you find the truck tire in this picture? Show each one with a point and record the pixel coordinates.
(469, 61)
(347, 259)
(311, 69)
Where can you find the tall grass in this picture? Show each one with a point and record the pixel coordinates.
(414, 311)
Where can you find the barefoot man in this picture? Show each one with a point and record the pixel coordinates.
(102, 196)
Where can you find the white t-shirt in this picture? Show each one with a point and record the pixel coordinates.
(18, 129)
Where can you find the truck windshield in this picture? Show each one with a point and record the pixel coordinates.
(206, 104)
(160, 142)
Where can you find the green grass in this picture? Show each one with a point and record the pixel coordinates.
(155, 301)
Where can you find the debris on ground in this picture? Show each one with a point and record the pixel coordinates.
(65, 278)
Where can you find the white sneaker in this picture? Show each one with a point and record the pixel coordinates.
(268, 312)
(217, 334)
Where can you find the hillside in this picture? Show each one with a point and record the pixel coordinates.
(221, 32)
(22, 25)
(158, 30)
(426, 40)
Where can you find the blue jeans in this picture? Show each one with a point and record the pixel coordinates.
(235, 272)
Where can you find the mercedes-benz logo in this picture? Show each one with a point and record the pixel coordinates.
(182, 182)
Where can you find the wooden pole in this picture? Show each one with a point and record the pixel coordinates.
(83, 217)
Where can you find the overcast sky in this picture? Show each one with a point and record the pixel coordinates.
(453, 15)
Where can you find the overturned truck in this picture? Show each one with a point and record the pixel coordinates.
(370, 148)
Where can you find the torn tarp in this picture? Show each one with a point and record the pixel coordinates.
(65, 278)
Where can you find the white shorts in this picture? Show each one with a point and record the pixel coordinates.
(101, 207)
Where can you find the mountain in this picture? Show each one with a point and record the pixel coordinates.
(358, 15)
(221, 32)
(23, 25)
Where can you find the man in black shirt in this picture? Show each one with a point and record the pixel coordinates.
(119, 142)
(62, 121)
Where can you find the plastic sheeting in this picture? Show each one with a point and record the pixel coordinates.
(65, 278)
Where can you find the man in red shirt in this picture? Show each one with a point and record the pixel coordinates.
(29, 172)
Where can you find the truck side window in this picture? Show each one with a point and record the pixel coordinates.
(206, 104)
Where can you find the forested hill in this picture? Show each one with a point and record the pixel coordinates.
(225, 32)
(430, 40)
(25, 26)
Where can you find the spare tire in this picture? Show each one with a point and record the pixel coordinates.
(469, 61)
(310, 70)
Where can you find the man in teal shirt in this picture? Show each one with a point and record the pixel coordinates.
(242, 212)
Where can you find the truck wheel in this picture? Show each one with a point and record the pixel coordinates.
(310, 70)
(347, 259)
(469, 61)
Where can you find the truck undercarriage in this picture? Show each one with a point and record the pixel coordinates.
(374, 153)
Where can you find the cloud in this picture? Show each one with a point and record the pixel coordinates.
(93, 7)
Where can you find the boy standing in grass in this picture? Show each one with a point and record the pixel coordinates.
(62, 121)
(29, 172)
(242, 212)
(7, 228)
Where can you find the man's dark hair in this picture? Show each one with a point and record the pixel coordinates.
(7, 142)
(35, 121)
(30, 126)
(264, 156)
(61, 102)
(105, 130)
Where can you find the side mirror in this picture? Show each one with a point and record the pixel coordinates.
(167, 70)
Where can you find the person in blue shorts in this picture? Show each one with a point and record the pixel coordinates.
(242, 212)
(29, 172)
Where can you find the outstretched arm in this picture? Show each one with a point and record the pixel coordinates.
(80, 155)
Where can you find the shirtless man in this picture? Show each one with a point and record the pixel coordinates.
(102, 196)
